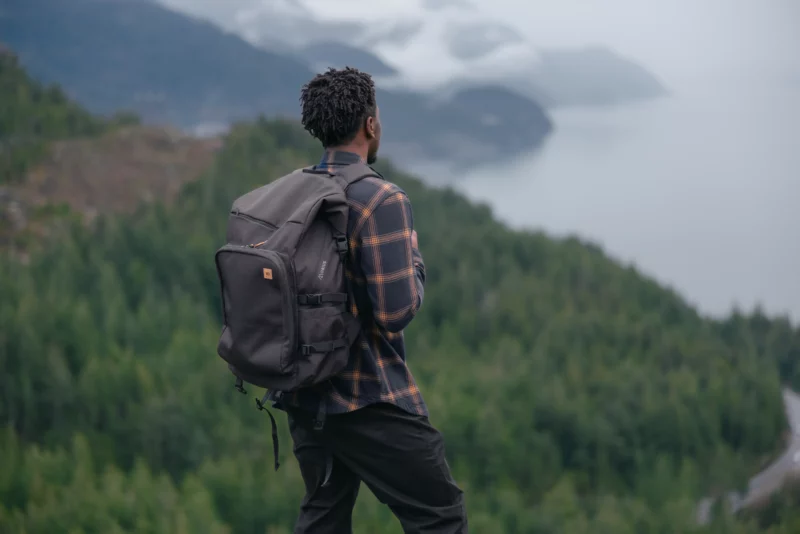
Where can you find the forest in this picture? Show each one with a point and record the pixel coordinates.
(576, 395)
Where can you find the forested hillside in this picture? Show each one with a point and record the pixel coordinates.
(575, 395)
(31, 114)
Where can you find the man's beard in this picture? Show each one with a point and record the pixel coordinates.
(372, 158)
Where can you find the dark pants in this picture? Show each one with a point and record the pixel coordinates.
(399, 456)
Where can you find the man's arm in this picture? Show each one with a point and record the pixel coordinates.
(391, 262)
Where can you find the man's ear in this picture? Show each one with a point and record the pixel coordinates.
(370, 127)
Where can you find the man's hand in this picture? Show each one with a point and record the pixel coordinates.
(414, 239)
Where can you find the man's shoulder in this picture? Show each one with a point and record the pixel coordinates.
(372, 191)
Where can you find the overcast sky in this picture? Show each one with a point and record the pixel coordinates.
(680, 40)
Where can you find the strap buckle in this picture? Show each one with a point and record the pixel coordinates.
(323, 346)
(341, 244)
(314, 300)
(319, 420)
(240, 386)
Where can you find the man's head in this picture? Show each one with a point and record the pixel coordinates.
(340, 110)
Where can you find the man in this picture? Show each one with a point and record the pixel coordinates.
(376, 427)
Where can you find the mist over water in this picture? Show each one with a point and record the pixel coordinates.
(699, 190)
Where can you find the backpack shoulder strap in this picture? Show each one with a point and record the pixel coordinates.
(347, 175)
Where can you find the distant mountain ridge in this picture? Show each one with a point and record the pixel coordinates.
(587, 76)
(323, 54)
(483, 50)
(167, 67)
(591, 76)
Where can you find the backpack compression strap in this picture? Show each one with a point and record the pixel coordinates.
(262, 406)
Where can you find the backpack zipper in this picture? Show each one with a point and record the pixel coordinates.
(259, 222)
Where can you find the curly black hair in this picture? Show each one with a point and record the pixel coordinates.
(336, 103)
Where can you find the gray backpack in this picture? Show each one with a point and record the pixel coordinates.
(286, 320)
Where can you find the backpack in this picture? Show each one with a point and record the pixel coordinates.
(286, 320)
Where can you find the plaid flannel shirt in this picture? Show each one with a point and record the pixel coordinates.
(387, 278)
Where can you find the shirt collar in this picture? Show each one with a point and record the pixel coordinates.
(339, 157)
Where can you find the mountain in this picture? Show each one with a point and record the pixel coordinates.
(574, 394)
(470, 48)
(323, 54)
(467, 45)
(136, 55)
(506, 111)
(475, 39)
(590, 76)
(587, 77)
(169, 68)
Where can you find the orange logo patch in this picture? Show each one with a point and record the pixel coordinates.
(267, 274)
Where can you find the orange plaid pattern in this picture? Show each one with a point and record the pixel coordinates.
(387, 276)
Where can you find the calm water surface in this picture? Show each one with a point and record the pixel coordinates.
(701, 192)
